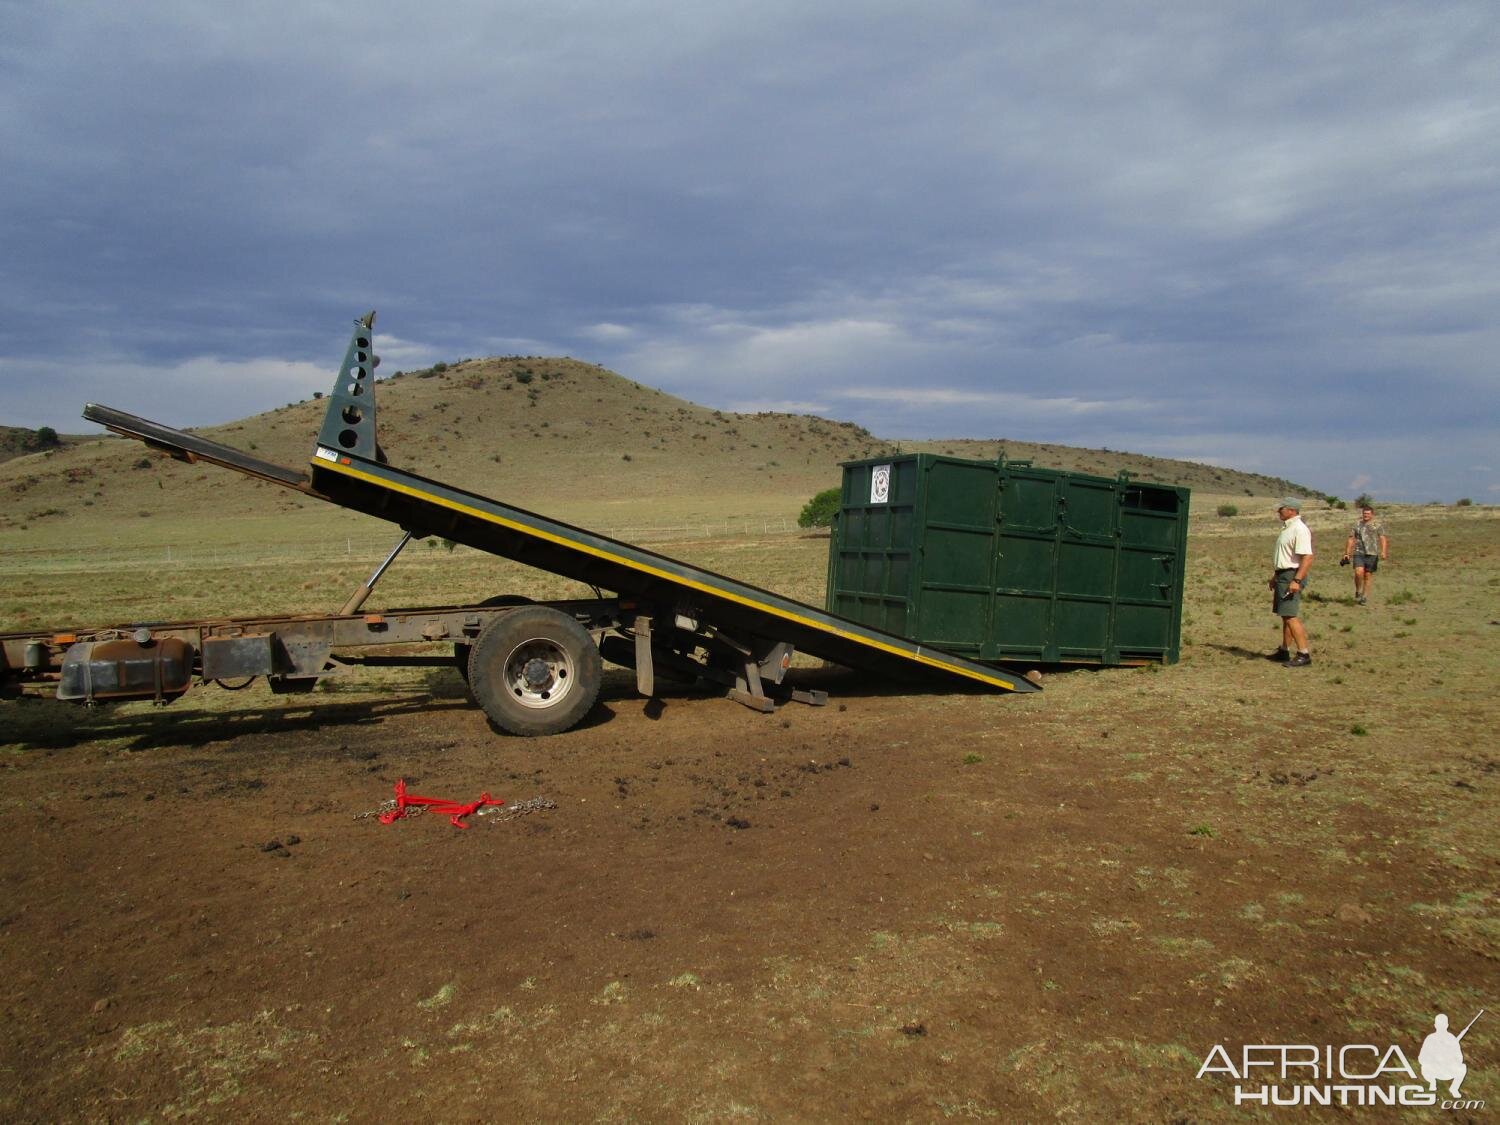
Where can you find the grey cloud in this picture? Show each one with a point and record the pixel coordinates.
(1183, 205)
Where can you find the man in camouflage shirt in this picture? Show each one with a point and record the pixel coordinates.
(1367, 548)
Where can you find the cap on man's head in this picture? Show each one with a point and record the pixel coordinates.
(1290, 502)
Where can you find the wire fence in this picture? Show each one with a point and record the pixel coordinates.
(15, 561)
(723, 529)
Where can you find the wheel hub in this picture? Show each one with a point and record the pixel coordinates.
(538, 674)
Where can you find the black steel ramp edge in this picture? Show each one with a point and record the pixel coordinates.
(190, 447)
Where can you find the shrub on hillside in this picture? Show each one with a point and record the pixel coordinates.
(820, 510)
(1227, 510)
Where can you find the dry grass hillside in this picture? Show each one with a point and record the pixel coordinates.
(557, 435)
(17, 441)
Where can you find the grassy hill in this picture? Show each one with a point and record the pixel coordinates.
(17, 441)
(556, 435)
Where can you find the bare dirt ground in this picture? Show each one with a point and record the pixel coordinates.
(900, 906)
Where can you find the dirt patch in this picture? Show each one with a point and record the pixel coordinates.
(899, 906)
(893, 907)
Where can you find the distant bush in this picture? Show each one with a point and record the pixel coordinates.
(1364, 500)
(1465, 503)
(44, 438)
(524, 376)
(1227, 510)
(439, 368)
(820, 510)
(1335, 502)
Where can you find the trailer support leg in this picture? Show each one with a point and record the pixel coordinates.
(749, 690)
(762, 703)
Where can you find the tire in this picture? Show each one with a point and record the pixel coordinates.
(462, 649)
(535, 671)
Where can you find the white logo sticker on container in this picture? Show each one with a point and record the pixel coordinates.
(327, 454)
(880, 484)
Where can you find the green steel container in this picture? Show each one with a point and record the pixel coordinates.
(1007, 562)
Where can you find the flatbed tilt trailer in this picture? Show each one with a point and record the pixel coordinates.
(535, 668)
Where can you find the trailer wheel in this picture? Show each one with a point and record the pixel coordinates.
(535, 671)
(462, 649)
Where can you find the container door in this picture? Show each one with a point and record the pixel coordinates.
(957, 552)
(1087, 546)
(1148, 615)
(1025, 567)
(871, 550)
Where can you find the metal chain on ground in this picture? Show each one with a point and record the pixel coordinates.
(389, 806)
(520, 808)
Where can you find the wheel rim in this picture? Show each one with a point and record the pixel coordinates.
(539, 673)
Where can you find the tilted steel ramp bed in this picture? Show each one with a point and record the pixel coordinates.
(348, 469)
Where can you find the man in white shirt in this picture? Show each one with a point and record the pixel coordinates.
(1294, 555)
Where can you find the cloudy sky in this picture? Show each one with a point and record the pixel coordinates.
(1263, 236)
